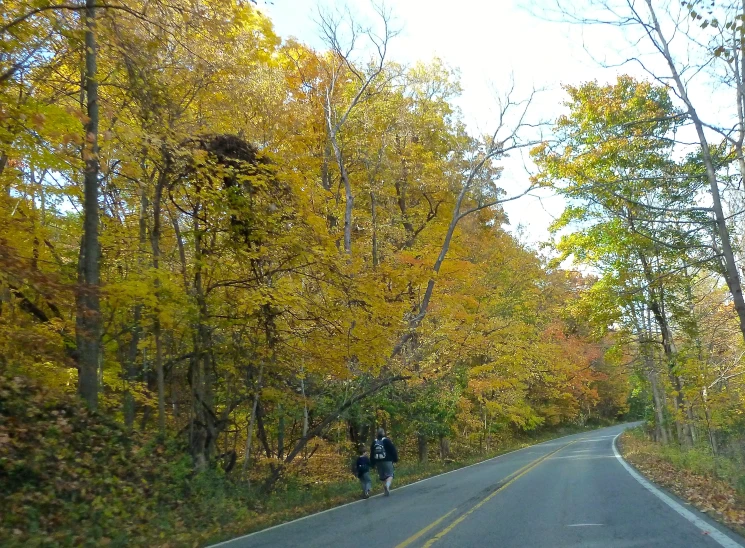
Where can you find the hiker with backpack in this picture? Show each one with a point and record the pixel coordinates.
(362, 471)
(384, 454)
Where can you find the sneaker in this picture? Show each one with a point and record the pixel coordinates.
(366, 495)
(387, 490)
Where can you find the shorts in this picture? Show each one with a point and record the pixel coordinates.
(385, 469)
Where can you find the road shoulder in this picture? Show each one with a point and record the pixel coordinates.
(710, 504)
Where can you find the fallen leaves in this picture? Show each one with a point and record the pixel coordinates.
(711, 495)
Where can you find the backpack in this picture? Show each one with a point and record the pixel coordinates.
(362, 468)
(378, 452)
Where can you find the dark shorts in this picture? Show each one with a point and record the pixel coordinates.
(385, 469)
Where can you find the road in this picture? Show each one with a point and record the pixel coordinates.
(571, 491)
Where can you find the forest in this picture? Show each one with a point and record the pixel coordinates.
(227, 258)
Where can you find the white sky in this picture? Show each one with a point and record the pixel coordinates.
(491, 42)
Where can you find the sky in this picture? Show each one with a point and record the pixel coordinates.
(492, 43)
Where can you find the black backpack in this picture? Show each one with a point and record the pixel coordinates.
(378, 452)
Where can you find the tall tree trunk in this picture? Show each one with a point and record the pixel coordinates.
(134, 343)
(691, 421)
(131, 370)
(261, 431)
(732, 276)
(647, 339)
(157, 335)
(348, 196)
(709, 427)
(401, 185)
(88, 322)
(305, 408)
(281, 433)
(374, 215)
(656, 305)
(199, 432)
(659, 407)
(252, 420)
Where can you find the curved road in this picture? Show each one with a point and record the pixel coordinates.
(572, 491)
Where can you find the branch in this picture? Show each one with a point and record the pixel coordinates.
(68, 7)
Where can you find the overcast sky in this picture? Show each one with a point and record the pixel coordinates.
(491, 43)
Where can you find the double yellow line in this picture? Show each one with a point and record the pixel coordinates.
(511, 479)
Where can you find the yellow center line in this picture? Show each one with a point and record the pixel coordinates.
(425, 530)
(512, 478)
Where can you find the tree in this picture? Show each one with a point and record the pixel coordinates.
(88, 324)
(631, 203)
(646, 19)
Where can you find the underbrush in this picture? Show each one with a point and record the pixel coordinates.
(69, 477)
(698, 460)
(714, 484)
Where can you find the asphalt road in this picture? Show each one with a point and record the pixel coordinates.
(572, 491)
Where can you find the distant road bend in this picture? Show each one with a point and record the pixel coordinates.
(572, 491)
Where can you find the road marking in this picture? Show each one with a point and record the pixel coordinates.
(425, 530)
(712, 532)
(585, 525)
(513, 478)
(333, 509)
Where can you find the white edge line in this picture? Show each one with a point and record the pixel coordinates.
(226, 542)
(710, 530)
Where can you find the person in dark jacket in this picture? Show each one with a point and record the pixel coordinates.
(362, 471)
(383, 454)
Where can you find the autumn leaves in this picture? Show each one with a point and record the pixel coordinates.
(284, 235)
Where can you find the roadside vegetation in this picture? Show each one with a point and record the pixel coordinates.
(72, 477)
(715, 484)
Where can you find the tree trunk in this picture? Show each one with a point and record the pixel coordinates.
(373, 212)
(732, 276)
(305, 408)
(131, 368)
(659, 406)
(444, 448)
(281, 433)
(709, 427)
(252, 420)
(134, 343)
(155, 244)
(691, 424)
(88, 322)
(199, 431)
(423, 448)
(655, 302)
(261, 431)
(348, 196)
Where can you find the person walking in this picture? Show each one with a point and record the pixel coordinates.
(384, 454)
(362, 471)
